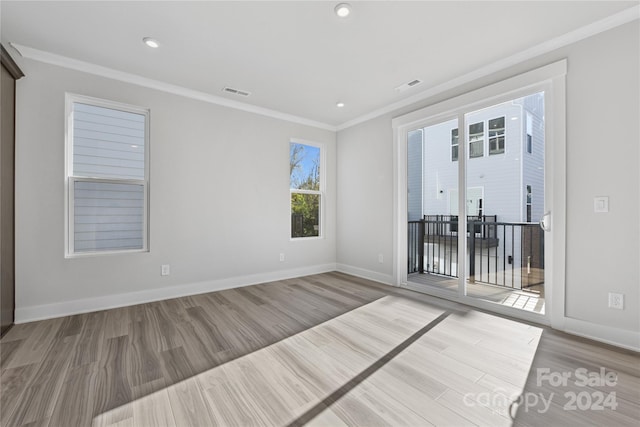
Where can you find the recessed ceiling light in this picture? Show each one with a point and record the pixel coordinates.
(343, 10)
(151, 42)
(340, 104)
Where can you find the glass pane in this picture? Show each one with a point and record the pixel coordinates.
(108, 143)
(304, 167)
(496, 145)
(305, 215)
(476, 149)
(496, 126)
(476, 131)
(108, 216)
(433, 212)
(505, 254)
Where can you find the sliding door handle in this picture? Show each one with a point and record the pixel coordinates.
(545, 221)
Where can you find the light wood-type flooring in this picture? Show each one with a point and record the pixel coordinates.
(328, 349)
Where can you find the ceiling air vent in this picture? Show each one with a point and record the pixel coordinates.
(408, 85)
(234, 91)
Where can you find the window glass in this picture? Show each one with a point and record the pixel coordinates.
(454, 145)
(496, 135)
(476, 140)
(306, 189)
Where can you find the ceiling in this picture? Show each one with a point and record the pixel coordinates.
(298, 57)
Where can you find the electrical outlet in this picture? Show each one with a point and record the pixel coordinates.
(616, 301)
(166, 270)
(380, 258)
(281, 257)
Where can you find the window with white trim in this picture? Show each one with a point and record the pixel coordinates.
(107, 167)
(454, 145)
(496, 135)
(476, 140)
(306, 188)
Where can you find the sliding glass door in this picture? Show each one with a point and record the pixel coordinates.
(476, 201)
(432, 204)
(504, 172)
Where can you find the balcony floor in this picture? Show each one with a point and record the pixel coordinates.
(517, 298)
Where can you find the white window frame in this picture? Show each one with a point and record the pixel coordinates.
(496, 137)
(321, 192)
(469, 141)
(529, 133)
(70, 180)
(457, 145)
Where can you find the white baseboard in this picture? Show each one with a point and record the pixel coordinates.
(615, 336)
(386, 279)
(86, 305)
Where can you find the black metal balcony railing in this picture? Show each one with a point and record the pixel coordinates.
(499, 253)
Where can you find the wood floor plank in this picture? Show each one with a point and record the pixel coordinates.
(176, 365)
(152, 406)
(40, 396)
(166, 316)
(13, 384)
(143, 358)
(188, 404)
(7, 351)
(476, 412)
(36, 344)
(91, 339)
(75, 405)
(112, 385)
(117, 322)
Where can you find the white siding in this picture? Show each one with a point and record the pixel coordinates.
(414, 178)
(440, 173)
(533, 163)
(107, 143)
(108, 216)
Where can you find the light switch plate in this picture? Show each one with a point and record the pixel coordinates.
(601, 204)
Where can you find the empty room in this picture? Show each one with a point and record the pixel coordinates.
(332, 213)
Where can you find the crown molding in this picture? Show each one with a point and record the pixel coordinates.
(613, 21)
(87, 67)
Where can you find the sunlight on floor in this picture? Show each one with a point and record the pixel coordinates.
(465, 369)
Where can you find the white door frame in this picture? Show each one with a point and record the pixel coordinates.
(551, 80)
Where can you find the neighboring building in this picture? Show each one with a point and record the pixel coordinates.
(505, 166)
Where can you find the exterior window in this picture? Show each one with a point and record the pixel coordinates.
(528, 203)
(496, 136)
(454, 145)
(306, 187)
(529, 133)
(107, 176)
(476, 140)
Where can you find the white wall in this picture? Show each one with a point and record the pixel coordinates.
(365, 179)
(219, 200)
(603, 113)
